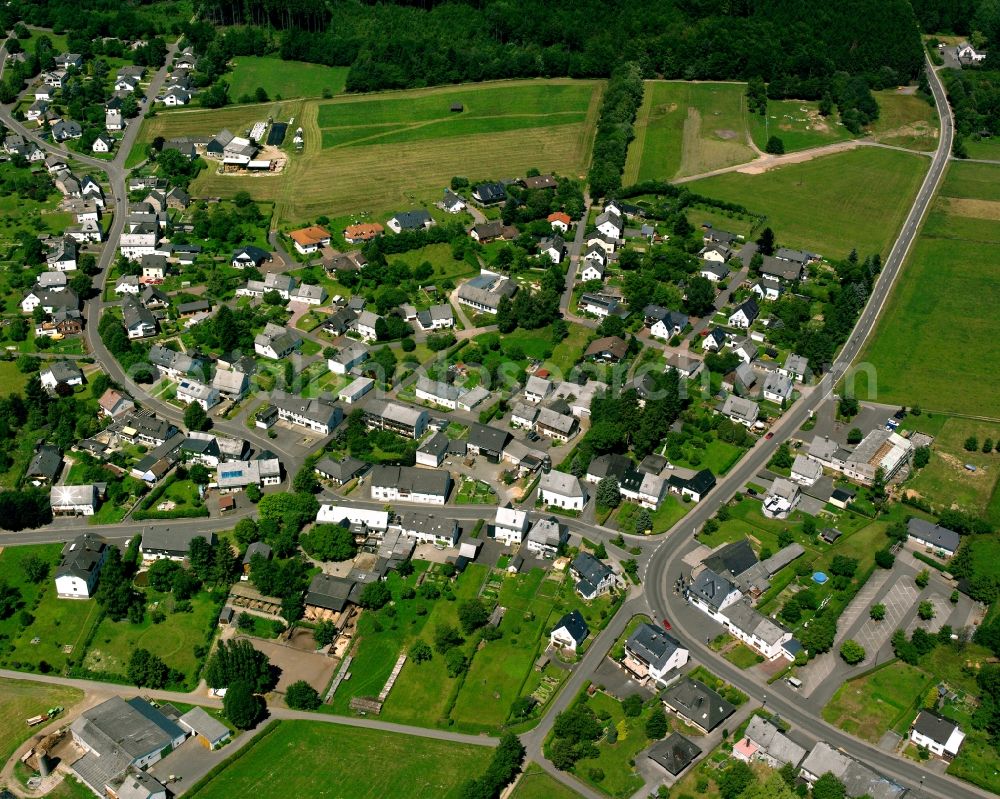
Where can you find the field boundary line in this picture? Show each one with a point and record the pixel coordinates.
(633, 163)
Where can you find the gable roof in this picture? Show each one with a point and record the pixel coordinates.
(934, 534)
(652, 645)
(734, 558)
(574, 623)
(711, 588)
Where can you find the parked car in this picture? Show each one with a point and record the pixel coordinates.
(769, 436)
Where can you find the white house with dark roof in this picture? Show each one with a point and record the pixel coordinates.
(61, 372)
(938, 735)
(740, 410)
(651, 652)
(80, 566)
(712, 593)
(318, 415)
(745, 314)
(545, 537)
(593, 578)
(933, 537)
(610, 224)
(570, 631)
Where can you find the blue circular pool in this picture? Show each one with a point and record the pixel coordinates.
(819, 578)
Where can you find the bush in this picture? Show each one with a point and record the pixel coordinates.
(302, 696)
(852, 652)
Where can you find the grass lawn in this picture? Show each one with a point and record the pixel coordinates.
(798, 124)
(718, 456)
(620, 777)
(699, 215)
(742, 656)
(945, 482)
(828, 205)
(671, 511)
(687, 128)
(475, 492)
(173, 639)
(57, 624)
(11, 378)
(357, 147)
(883, 700)
(987, 149)
(439, 257)
(946, 254)
(976, 761)
(284, 79)
(407, 765)
(20, 700)
(568, 352)
(537, 784)
(905, 120)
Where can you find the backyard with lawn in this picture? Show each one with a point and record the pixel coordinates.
(885, 699)
(406, 765)
(45, 632)
(173, 638)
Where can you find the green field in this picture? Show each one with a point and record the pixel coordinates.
(798, 124)
(945, 482)
(951, 320)
(905, 120)
(173, 640)
(686, 129)
(20, 700)
(537, 784)
(386, 119)
(12, 379)
(883, 700)
(55, 624)
(621, 778)
(284, 79)
(295, 760)
(358, 147)
(856, 199)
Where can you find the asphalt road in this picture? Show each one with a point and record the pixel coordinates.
(666, 559)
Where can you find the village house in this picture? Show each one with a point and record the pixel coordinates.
(318, 415)
(697, 704)
(410, 484)
(651, 652)
(745, 314)
(674, 753)
(160, 543)
(546, 537)
(933, 537)
(194, 391)
(489, 193)
(569, 632)
(251, 256)
(937, 735)
(417, 219)
(610, 224)
(402, 419)
(308, 240)
(559, 221)
(763, 741)
(664, 323)
(80, 566)
(58, 372)
(509, 525)
(276, 342)
(237, 475)
(740, 410)
(593, 578)
(428, 528)
(562, 490)
(484, 292)
(437, 317)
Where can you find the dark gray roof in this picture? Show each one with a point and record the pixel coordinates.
(609, 465)
(734, 558)
(134, 727)
(342, 470)
(81, 556)
(675, 753)
(409, 478)
(487, 438)
(575, 625)
(934, 534)
(591, 572)
(652, 644)
(175, 542)
(699, 703)
(329, 592)
(711, 588)
(436, 445)
(412, 220)
(257, 548)
(45, 463)
(934, 727)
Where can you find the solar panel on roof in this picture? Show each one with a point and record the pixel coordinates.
(231, 475)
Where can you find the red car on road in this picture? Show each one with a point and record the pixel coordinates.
(666, 625)
(769, 436)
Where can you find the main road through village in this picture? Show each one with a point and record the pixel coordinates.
(659, 559)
